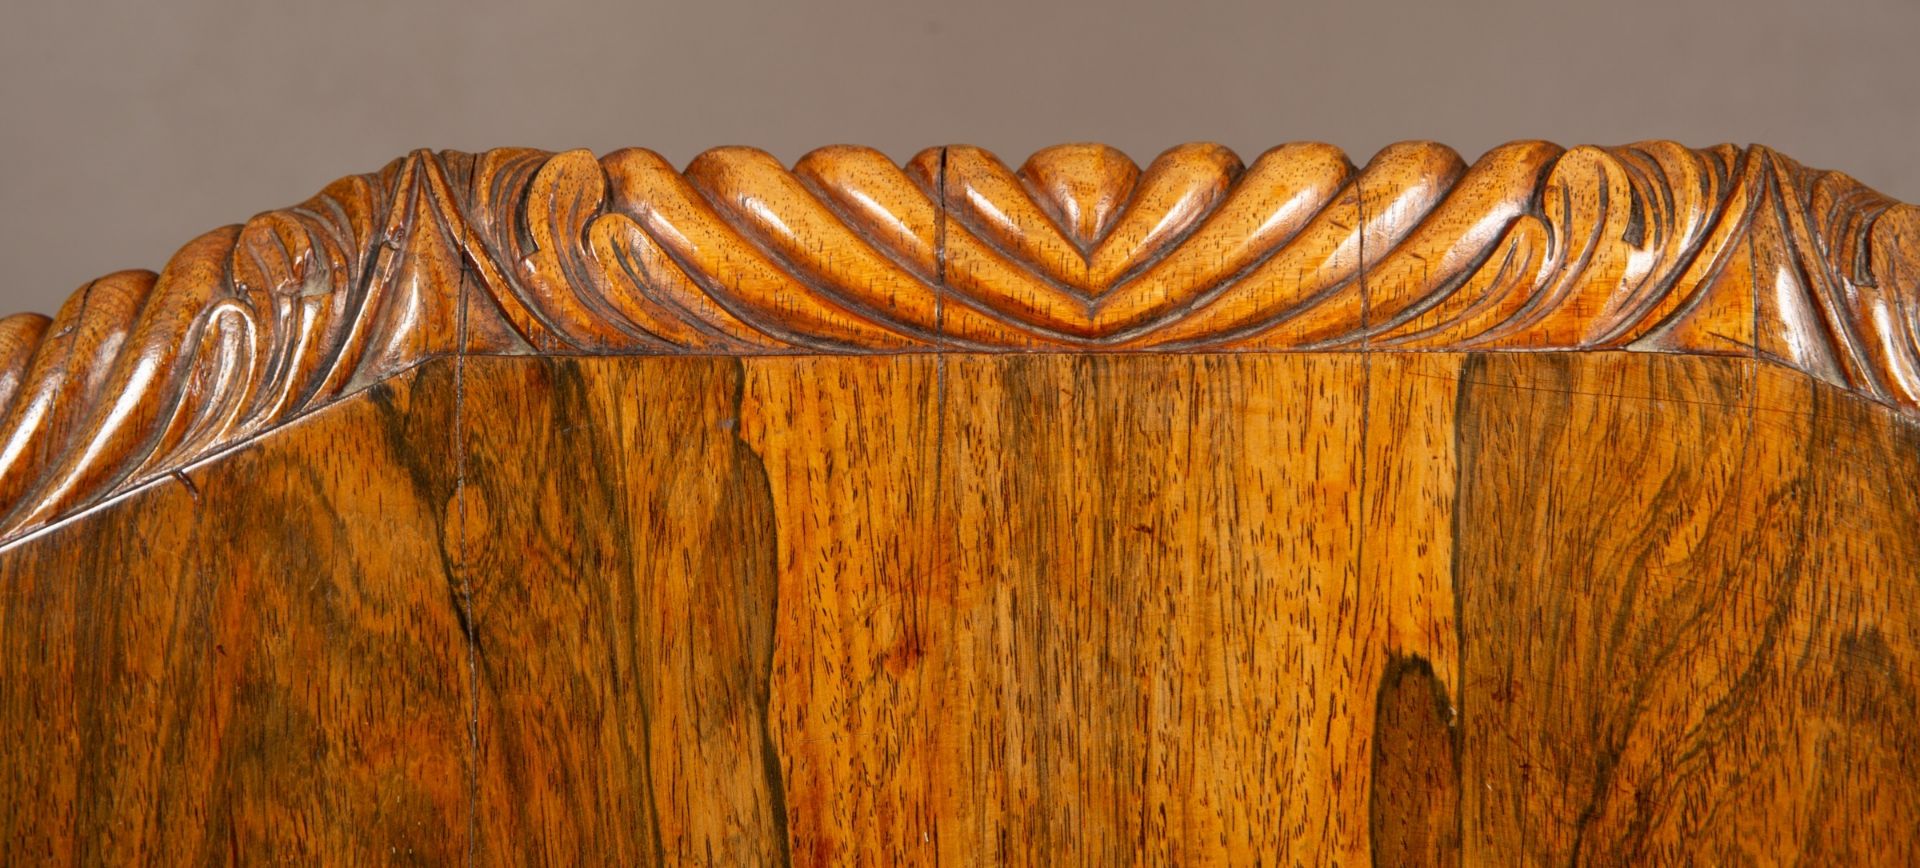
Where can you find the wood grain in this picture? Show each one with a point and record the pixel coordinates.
(620, 570)
(258, 661)
(1677, 648)
(993, 608)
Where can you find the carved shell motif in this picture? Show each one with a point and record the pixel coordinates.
(1647, 247)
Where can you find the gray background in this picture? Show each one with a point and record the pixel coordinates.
(126, 128)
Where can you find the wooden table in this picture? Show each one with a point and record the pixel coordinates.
(528, 507)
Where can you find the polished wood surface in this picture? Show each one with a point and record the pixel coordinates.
(1418, 609)
(536, 508)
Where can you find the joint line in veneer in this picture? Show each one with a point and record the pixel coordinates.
(1366, 400)
(464, 585)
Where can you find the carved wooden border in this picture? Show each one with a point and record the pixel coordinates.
(1646, 247)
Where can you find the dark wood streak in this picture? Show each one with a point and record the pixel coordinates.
(623, 588)
(1415, 805)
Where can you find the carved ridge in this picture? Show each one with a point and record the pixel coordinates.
(1647, 247)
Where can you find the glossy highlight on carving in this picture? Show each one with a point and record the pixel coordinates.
(1654, 246)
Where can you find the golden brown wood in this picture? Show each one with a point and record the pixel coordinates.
(521, 507)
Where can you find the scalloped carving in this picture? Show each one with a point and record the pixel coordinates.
(1646, 247)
